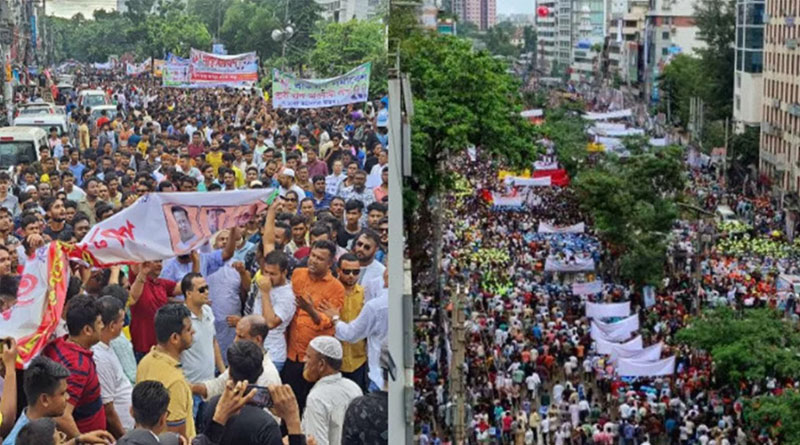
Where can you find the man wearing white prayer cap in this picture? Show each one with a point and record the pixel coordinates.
(328, 400)
(286, 181)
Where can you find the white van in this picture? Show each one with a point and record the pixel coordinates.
(45, 122)
(18, 144)
(724, 214)
(93, 98)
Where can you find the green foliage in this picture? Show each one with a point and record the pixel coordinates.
(751, 345)
(716, 23)
(744, 147)
(681, 80)
(248, 26)
(530, 37)
(343, 46)
(498, 40)
(632, 205)
(211, 12)
(777, 415)
(169, 30)
(566, 129)
(461, 97)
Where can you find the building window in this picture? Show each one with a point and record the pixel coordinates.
(738, 103)
(753, 61)
(738, 80)
(665, 35)
(754, 37)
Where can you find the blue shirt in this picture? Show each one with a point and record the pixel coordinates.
(209, 263)
(324, 203)
(77, 170)
(21, 422)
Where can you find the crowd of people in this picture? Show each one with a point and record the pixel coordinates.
(532, 372)
(274, 330)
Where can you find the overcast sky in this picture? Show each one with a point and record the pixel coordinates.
(516, 6)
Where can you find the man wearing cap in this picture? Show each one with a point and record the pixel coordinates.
(286, 181)
(323, 417)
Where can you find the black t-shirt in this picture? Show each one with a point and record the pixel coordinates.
(343, 237)
(366, 421)
(369, 163)
(53, 234)
(252, 426)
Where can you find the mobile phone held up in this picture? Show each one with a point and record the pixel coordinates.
(262, 399)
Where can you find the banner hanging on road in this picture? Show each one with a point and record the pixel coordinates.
(164, 225)
(636, 368)
(608, 310)
(605, 347)
(217, 70)
(291, 92)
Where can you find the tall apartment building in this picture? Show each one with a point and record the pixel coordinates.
(344, 10)
(569, 34)
(748, 81)
(546, 32)
(780, 129)
(671, 30)
(483, 13)
(626, 39)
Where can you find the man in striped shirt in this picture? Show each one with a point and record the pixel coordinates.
(84, 411)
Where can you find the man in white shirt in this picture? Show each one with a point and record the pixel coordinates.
(365, 247)
(252, 328)
(327, 401)
(333, 180)
(115, 388)
(278, 310)
(198, 361)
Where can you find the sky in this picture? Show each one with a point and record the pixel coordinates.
(68, 8)
(516, 6)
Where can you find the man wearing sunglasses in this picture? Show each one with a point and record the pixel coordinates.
(199, 360)
(354, 358)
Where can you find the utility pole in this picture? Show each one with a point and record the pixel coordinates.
(457, 388)
(725, 157)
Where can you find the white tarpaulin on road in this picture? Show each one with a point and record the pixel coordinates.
(605, 347)
(516, 181)
(618, 331)
(163, 225)
(550, 228)
(648, 354)
(636, 368)
(592, 287)
(576, 264)
(619, 114)
(608, 310)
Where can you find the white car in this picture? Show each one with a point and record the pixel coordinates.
(93, 98)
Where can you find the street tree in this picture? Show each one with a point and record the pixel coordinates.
(746, 346)
(341, 47)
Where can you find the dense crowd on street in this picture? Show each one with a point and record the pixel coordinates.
(532, 371)
(274, 330)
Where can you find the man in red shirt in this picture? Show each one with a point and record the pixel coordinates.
(148, 294)
(196, 146)
(102, 120)
(84, 412)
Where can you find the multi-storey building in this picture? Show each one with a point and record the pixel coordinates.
(671, 30)
(780, 128)
(482, 13)
(626, 39)
(344, 10)
(748, 84)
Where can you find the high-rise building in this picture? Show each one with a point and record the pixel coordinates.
(483, 13)
(671, 30)
(748, 82)
(626, 40)
(779, 155)
(344, 10)
(546, 32)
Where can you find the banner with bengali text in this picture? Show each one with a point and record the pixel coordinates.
(217, 70)
(32, 320)
(291, 92)
(163, 225)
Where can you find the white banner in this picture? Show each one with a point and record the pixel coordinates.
(40, 301)
(636, 368)
(610, 144)
(290, 92)
(607, 310)
(544, 181)
(535, 112)
(610, 115)
(592, 287)
(216, 70)
(506, 201)
(618, 331)
(608, 126)
(576, 264)
(649, 294)
(542, 165)
(648, 354)
(605, 347)
(617, 132)
(163, 225)
(550, 228)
